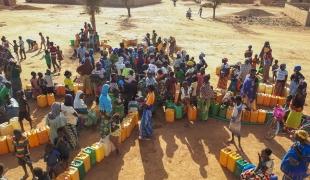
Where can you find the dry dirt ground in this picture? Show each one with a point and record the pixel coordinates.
(175, 152)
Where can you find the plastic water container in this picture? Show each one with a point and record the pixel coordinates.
(267, 100)
(240, 164)
(223, 111)
(9, 140)
(231, 161)
(268, 89)
(107, 146)
(169, 114)
(246, 116)
(229, 112)
(99, 150)
(43, 135)
(78, 164)
(86, 160)
(281, 101)
(50, 99)
(74, 173)
(60, 90)
(6, 129)
(15, 123)
(260, 99)
(294, 119)
(42, 101)
(63, 176)
(32, 138)
(192, 113)
(254, 116)
(225, 152)
(273, 101)
(92, 154)
(28, 87)
(214, 109)
(261, 88)
(4, 149)
(261, 116)
(178, 111)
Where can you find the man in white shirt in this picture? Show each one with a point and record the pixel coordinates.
(21, 48)
(49, 81)
(281, 80)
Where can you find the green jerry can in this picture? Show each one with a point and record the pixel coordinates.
(71, 43)
(92, 154)
(241, 163)
(214, 109)
(294, 119)
(80, 166)
(222, 111)
(178, 111)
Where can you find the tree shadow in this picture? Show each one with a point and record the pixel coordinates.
(126, 24)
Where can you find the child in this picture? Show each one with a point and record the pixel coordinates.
(52, 159)
(36, 91)
(235, 121)
(24, 110)
(35, 46)
(39, 174)
(60, 56)
(275, 68)
(48, 59)
(21, 149)
(68, 83)
(255, 61)
(47, 42)
(15, 47)
(49, 81)
(2, 171)
(42, 83)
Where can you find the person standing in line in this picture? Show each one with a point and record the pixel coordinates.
(53, 51)
(235, 121)
(24, 110)
(15, 48)
(42, 41)
(21, 48)
(146, 129)
(21, 151)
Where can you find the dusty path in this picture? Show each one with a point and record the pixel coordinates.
(176, 152)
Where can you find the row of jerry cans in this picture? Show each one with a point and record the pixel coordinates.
(61, 90)
(258, 116)
(85, 160)
(35, 137)
(170, 114)
(128, 124)
(234, 162)
(45, 100)
(269, 89)
(270, 100)
(7, 128)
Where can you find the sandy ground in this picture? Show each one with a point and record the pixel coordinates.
(176, 152)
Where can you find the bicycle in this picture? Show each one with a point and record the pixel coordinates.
(276, 123)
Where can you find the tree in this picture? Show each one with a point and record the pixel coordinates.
(214, 5)
(92, 8)
(126, 3)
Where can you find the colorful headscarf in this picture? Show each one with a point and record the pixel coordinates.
(105, 103)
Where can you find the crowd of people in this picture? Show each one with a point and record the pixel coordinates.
(144, 76)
